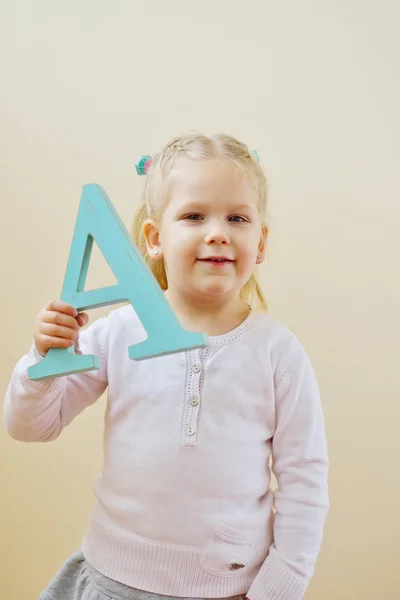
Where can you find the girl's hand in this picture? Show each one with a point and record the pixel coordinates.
(57, 326)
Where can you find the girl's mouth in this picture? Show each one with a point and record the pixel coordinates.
(217, 260)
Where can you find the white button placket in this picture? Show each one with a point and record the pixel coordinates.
(192, 398)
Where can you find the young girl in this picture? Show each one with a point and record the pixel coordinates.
(183, 502)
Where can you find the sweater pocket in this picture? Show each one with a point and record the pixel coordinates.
(229, 553)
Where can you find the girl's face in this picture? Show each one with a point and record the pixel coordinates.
(210, 234)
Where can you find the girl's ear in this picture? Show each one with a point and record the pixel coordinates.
(262, 245)
(152, 239)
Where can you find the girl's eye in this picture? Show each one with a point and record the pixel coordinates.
(193, 217)
(237, 219)
(198, 217)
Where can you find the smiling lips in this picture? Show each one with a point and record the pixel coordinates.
(216, 260)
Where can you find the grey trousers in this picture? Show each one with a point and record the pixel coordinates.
(77, 580)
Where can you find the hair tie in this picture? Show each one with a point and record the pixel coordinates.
(144, 162)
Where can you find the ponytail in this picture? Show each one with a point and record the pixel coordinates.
(252, 293)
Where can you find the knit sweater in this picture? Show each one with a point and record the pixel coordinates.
(184, 505)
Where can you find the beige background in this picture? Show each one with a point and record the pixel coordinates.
(313, 85)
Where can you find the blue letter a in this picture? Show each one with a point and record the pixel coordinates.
(98, 220)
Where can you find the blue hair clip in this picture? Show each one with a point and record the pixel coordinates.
(256, 155)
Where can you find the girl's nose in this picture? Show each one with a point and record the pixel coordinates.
(217, 235)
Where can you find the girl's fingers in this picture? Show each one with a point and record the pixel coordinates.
(82, 319)
(59, 331)
(57, 326)
(61, 307)
(48, 341)
(58, 318)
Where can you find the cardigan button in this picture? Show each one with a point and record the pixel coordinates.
(190, 430)
(194, 400)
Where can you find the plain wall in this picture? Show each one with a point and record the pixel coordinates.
(86, 87)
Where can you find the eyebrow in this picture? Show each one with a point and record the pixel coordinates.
(192, 204)
(244, 206)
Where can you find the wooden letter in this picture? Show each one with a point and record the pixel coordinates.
(98, 220)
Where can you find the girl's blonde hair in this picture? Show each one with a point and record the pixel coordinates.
(175, 154)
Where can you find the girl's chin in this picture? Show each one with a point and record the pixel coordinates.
(213, 291)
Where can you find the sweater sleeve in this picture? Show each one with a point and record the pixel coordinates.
(300, 464)
(38, 411)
